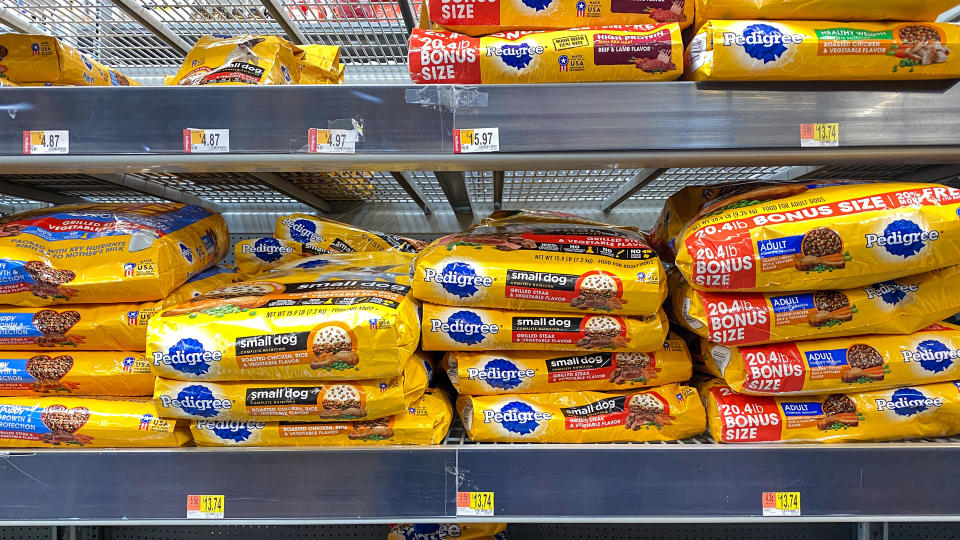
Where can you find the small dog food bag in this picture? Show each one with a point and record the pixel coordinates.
(98, 253)
(239, 60)
(548, 262)
(752, 50)
(477, 329)
(333, 401)
(461, 531)
(293, 324)
(86, 422)
(822, 10)
(844, 364)
(907, 412)
(426, 421)
(664, 413)
(803, 237)
(76, 373)
(320, 236)
(523, 372)
(895, 306)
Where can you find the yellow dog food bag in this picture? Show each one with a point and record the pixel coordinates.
(257, 255)
(77, 373)
(424, 422)
(543, 263)
(32, 59)
(461, 531)
(320, 64)
(522, 372)
(822, 236)
(86, 422)
(820, 50)
(477, 329)
(298, 324)
(319, 235)
(366, 399)
(93, 253)
(208, 280)
(612, 53)
(816, 10)
(4, 82)
(847, 364)
(931, 410)
(86, 327)
(897, 306)
(482, 17)
(239, 60)
(664, 413)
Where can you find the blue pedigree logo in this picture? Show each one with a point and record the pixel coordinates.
(517, 417)
(500, 373)
(932, 355)
(303, 231)
(188, 356)
(231, 430)
(903, 238)
(537, 5)
(457, 278)
(197, 400)
(908, 402)
(517, 56)
(891, 292)
(464, 327)
(267, 249)
(762, 41)
(186, 252)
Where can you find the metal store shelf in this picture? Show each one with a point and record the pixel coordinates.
(687, 481)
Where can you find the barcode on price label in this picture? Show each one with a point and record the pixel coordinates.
(781, 503)
(332, 141)
(46, 142)
(206, 141)
(204, 506)
(474, 503)
(470, 141)
(819, 135)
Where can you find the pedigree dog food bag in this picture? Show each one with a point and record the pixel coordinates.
(613, 53)
(257, 255)
(28, 59)
(752, 50)
(896, 306)
(424, 422)
(664, 413)
(462, 531)
(823, 236)
(478, 17)
(296, 324)
(847, 364)
(476, 329)
(931, 410)
(76, 373)
(536, 262)
(86, 422)
(86, 327)
(319, 235)
(238, 60)
(818, 10)
(96, 253)
(367, 399)
(522, 372)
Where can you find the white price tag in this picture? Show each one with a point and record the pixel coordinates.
(46, 142)
(470, 141)
(332, 141)
(206, 141)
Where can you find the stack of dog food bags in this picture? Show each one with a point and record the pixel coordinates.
(820, 308)
(304, 355)
(555, 332)
(247, 59)
(300, 236)
(79, 283)
(435, 531)
(774, 40)
(548, 41)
